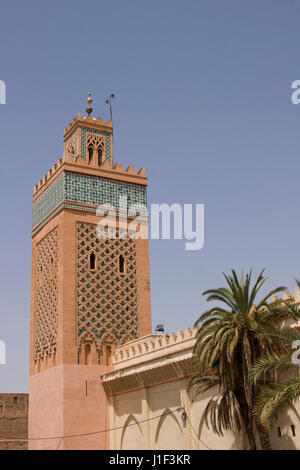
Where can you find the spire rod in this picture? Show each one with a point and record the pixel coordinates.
(109, 101)
(89, 101)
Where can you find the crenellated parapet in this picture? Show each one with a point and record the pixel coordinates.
(153, 346)
(50, 174)
(87, 120)
(288, 296)
(150, 360)
(155, 359)
(114, 172)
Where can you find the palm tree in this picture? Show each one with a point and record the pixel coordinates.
(228, 343)
(278, 396)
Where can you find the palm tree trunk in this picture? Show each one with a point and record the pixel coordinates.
(251, 437)
(263, 437)
(246, 417)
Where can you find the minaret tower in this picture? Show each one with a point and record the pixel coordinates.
(88, 293)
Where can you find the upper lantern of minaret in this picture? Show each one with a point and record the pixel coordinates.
(89, 141)
(78, 179)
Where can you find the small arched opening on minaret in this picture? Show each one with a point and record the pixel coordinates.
(92, 261)
(121, 264)
(91, 153)
(108, 355)
(100, 153)
(88, 355)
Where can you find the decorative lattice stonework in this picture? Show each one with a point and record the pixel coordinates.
(46, 317)
(71, 146)
(106, 298)
(96, 141)
(86, 135)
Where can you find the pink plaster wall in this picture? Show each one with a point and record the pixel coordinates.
(67, 400)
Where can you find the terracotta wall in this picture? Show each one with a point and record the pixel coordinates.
(13, 421)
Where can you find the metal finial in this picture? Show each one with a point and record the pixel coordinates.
(109, 101)
(89, 101)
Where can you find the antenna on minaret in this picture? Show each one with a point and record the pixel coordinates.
(109, 101)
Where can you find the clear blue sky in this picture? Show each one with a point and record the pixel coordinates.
(203, 103)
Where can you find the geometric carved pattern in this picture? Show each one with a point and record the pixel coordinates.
(106, 297)
(95, 140)
(105, 135)
(95, 149)
(46, 296)
(71, 148)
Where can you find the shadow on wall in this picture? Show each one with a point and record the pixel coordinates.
(169, 432)
(205, 434)
(284, 436)
(132, 434)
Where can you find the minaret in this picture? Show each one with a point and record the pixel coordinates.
(88, 293)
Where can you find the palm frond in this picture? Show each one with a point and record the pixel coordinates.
(269, 365)
(275, 400)
(242, 344)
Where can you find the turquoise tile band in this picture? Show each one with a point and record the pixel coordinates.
(75, 188)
